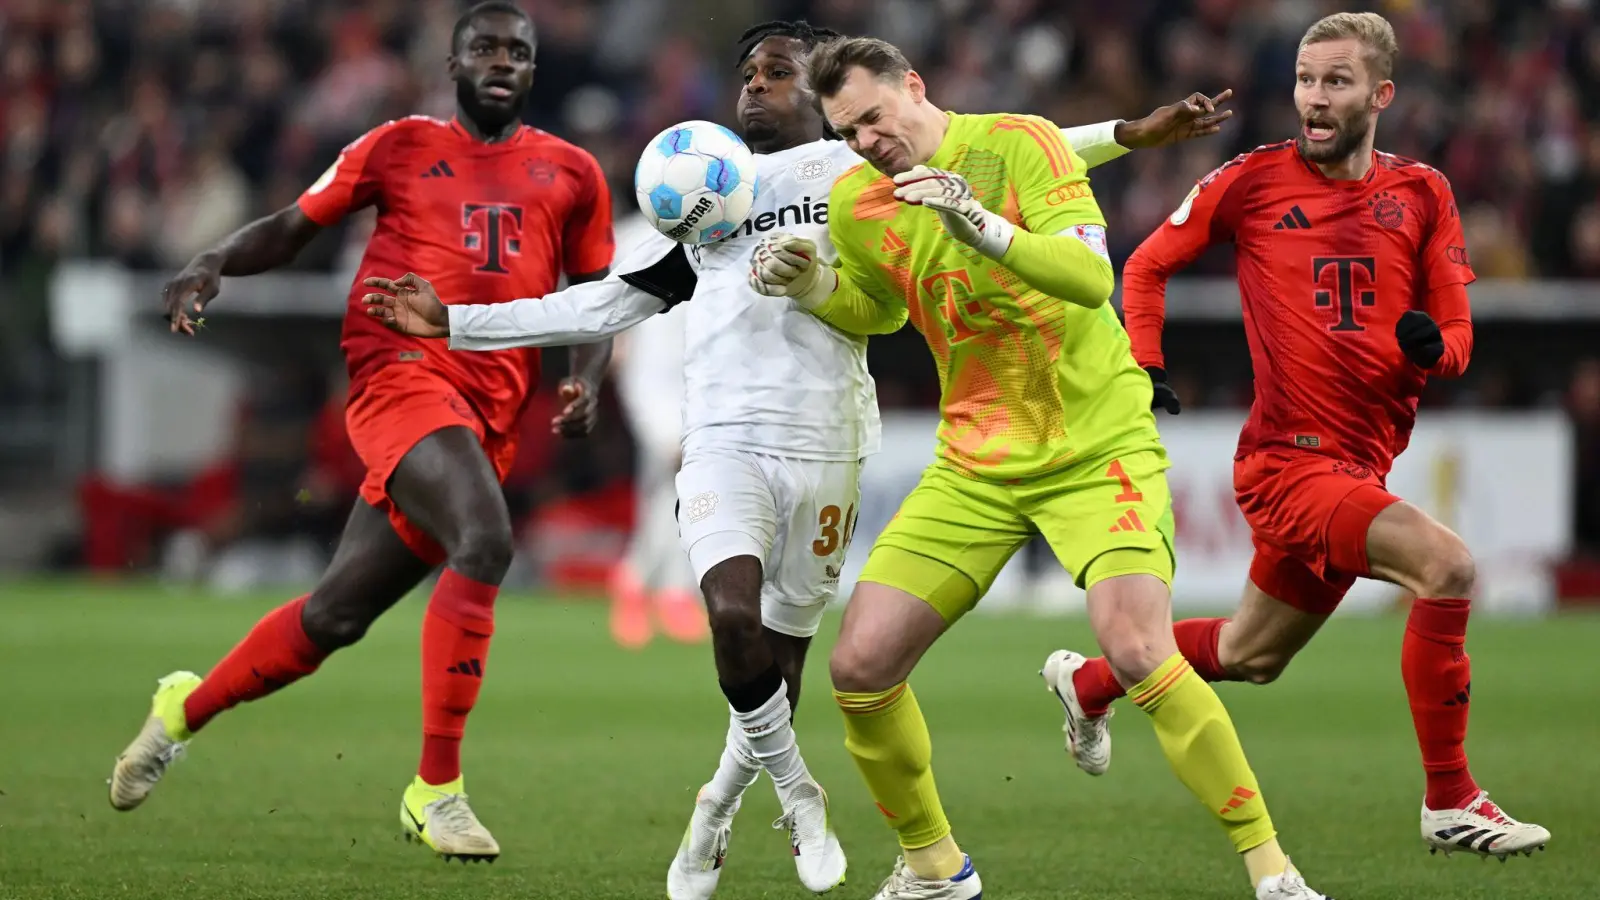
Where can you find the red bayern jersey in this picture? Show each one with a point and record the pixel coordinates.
(484, 222)
(1326, 268)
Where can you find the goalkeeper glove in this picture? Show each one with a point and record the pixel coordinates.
(783, 265)
(1163, 396)
(949, 195)
(1419, 338)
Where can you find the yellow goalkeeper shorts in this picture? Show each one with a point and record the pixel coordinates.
(954, 533)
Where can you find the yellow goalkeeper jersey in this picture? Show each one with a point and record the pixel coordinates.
(1030, 383)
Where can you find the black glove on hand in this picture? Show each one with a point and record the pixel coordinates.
(1419, 338)
(1164, 397)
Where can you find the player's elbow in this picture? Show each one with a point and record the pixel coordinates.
(892, 323)
(1097, 284)
(1105, 284)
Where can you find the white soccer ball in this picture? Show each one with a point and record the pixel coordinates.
(696, 182)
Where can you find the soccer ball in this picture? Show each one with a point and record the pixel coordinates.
(696, 182)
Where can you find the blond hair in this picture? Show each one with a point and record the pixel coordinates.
(830, 63)
(1372, 30)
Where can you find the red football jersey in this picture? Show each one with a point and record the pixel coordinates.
(484, 222)
(1325, 268)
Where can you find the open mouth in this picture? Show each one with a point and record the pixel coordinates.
(1319, 130)
(499, 90)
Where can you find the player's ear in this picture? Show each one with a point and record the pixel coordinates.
(1383, 96)
(915, 87)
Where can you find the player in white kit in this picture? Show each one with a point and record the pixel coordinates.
(780, 414)
(653, 585)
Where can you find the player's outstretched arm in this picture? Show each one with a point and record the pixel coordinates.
(784, 265)
(1193, 117)
(581, 314)
(260, 246)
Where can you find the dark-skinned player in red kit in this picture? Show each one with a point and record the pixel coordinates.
(1352, 272)
(499, 211)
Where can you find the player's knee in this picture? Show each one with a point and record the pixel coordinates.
(1449, 571)
(332, 625)
(1261, 668)
(1133, 657)
(857, 669)
(483, 552)
(735, 618)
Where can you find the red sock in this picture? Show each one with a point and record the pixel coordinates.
(455, 649)
(1096, 686)
(275, 654)
(1197, 641)
(1438, 677)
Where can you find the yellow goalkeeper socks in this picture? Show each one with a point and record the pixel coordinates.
(887, 736)
(1203, 749)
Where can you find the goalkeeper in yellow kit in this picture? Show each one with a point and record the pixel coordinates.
(984, 232)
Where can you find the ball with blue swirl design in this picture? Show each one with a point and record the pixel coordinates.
(696, 182)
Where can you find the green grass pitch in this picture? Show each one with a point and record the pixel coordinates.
(584, 760)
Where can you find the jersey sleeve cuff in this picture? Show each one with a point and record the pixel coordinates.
(827, 282)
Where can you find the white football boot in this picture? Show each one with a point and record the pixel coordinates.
(697, 867)
(818, 858)
(1291, 885)
(1088, 737)
(903, 884)
(1481, 828)
(439, 816)
(159, 744)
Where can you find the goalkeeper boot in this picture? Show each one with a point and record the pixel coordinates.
(818, 858)
(1480, 827)
(697, 867)
(1088, 737)
(904, 884)
(160, 743)
(1291, 885)
(440, 817)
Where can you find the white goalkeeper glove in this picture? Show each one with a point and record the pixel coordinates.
(949, 195)
(784, 265)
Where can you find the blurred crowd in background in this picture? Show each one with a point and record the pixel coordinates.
(142, 131)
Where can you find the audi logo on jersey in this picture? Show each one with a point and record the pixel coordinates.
(806, 212)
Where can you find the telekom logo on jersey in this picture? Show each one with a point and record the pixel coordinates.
(496, 229)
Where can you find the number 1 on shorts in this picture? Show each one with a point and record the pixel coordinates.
(1128, 495)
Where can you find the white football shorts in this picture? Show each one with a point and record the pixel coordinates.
(795, 515)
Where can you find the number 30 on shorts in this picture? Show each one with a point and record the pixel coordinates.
(828, 538)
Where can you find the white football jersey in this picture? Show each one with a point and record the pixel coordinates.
(760, 373)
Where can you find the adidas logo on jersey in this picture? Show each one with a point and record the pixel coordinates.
(440, 169)
(1292, 220)
(806, 212)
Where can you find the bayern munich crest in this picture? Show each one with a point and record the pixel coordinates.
(1387, 211)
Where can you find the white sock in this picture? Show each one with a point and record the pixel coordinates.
(737, 770)
(771, 740)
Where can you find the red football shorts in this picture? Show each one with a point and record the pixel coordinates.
(1308, 518)
(397, 408)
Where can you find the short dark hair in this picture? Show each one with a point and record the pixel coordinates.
(807, 34)
(830, 63)
(486, 8)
